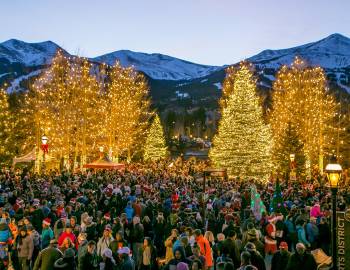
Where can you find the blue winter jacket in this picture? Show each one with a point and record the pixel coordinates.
(129, 211)
(302, 236)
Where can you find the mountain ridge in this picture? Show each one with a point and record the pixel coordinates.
(19, 61)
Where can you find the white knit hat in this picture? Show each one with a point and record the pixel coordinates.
(107, 253)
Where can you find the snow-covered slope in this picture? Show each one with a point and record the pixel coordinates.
(330, 52)
(28, 54)
(158, 66)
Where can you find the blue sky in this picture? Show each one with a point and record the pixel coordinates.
(212, 32)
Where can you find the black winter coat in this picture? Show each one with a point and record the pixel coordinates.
(280, 260)
(298, 262)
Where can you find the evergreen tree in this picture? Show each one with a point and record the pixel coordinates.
(290, 144)
(5, 127)
(277, 203)
(242, 143)
(155, 147)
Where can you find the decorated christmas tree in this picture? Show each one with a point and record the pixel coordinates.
(5, 127)
(155, 147)
(277, 203)
(242, 143)
(256, 204)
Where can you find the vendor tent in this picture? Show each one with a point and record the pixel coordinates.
(29, 157)
(104, 163)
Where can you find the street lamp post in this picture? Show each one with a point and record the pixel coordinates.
(292, 174)
(333, 171)
(45, 149)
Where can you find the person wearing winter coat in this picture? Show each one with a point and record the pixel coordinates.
(301, 259)
(136, 239)
(105, 241)
(47, 257)
(129, 211)
(301, 233)
(108, 262)
(37, 217)
(60, 224)
(126, 262)
(67, 233)
(24, 247)
(67, 262)
(231, 248)
(5, 239)
(169, 254)
(46, 234)
(82, 245)
(256, 259)
(179, 256)
(312, 232)
(205, 248)
(89, 259)
(324, 235)
(281, 257)
(36, 241)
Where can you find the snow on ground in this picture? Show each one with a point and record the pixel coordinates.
(15, 84)
(158, 66)
(347, 88)
(270, 77)
(4, 74)
(218, 85)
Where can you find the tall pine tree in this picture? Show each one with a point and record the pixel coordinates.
(290, 144)
(277, 203)
(5, 127)
(242, 143)
(155, 147)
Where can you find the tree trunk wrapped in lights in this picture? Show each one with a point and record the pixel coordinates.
(300, 99)
(242, 143)
(63, 103)
(155, 147)
(127, 107)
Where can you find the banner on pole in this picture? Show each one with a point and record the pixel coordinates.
(343, 240)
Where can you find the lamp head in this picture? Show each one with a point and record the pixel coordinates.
(333, 171)
(44, 139)
(292, 157)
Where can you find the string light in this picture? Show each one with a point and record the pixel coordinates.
(301, 99)
(242, 143)
(80, 107)
(155, 147)
(5, 127)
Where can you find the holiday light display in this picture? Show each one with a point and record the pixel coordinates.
(63, 103)
(127, 111)
(242, 143)
(5, 127)
(300, 99)
(81, 107)
(155, 147)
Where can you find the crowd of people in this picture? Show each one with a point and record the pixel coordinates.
(157, 216)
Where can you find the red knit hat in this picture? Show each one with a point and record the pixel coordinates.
(107, 216)
(47, 221)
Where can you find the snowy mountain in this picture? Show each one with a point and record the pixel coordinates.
(158, 66)
(330, 52)
(29, 54)
(20, 62)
